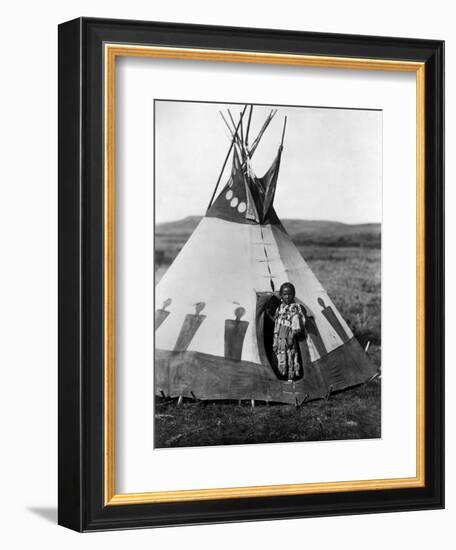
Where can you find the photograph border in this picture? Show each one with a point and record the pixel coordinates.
(88, 49)
(215, 193)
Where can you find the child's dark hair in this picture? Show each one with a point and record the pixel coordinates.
(283, 286)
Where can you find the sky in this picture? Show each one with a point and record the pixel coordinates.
(330, 169)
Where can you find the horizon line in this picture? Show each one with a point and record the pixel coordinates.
(281, 219)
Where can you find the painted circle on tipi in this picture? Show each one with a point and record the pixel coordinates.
(242, 207)
(234, 202)
(229, 195)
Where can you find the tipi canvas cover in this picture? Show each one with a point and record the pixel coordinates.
(213, 333)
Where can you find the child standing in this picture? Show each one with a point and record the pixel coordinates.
(289, 321)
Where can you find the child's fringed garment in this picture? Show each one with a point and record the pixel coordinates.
(289, 321)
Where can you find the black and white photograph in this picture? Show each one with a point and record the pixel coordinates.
(267, 273)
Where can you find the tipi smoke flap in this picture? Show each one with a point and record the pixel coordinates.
(213, 334)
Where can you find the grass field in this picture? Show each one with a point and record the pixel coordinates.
(352, 414)
(346, 260)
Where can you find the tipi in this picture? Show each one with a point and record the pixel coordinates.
(213, 337)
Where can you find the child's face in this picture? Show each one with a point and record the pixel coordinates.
(287, 295)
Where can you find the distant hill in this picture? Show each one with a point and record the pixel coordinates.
(178, 227)
(303, 232)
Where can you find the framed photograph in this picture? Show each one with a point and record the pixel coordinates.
(250, 274)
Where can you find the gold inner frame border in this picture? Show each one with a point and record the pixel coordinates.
(110, 53)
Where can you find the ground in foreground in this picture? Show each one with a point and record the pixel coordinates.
(351, 414)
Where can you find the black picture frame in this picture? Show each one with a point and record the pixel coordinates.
(81, 399)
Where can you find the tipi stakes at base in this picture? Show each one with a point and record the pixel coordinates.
(213, 333)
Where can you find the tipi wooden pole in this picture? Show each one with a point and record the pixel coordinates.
(283, 133)
(227, 125)
(261, 132)
(248, 127)
(226, 159)
(232, 119)
(239, 134)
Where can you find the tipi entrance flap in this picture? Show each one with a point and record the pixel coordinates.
(266, 304)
